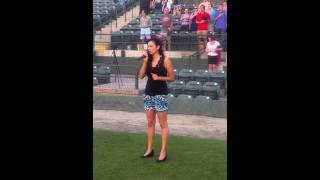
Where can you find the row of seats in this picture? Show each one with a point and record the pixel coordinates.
(101, 74)
(105, 11)
(120, 40)
(117, 4)
(99, 19)
(129, 28)
(194, 84)
(188, 97)
(103, 2)
(194, 88)
(178, 39)
(155, 21)
(116, 8)
(201, 76)
(125, 39)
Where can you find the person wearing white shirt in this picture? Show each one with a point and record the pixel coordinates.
(167, 4)
(213, 49)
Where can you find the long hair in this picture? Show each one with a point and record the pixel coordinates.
(157, 42)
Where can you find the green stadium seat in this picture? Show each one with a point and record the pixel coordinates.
(211, 89)
(201, 75)
(193, 88)
(186, 75)
(219, 77)
(176, 88)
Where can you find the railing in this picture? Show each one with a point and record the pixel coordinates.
(130, 40)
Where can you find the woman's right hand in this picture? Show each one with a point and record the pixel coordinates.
(145, 58)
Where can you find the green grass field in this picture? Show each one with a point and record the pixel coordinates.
(116, 156)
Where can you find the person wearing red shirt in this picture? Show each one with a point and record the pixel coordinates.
(202, 21)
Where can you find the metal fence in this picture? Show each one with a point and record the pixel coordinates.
(130, 40)
(112, 78)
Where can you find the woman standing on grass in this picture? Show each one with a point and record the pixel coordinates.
(159, 70)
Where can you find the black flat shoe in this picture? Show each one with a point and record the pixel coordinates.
(164, 159)
(148, 155)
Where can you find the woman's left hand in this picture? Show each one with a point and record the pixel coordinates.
(154, 76)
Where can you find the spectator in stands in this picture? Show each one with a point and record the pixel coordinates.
(159, 70)
(212, 12)
(158, 6)
(180, 2)
(176, 11)
(152, 4)
(202, 21)
(213, 49)
(170, 5)
(224, 6)
(164, 5)
(185, 20)
(166, 22)
(205, 3)
(175, 2)
(167, 4)
(145, 25)
(193, 24)
(220, 25)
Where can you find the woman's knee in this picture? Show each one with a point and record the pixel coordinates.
(163, 124)
(151, 122)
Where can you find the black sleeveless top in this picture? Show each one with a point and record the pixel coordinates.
(156, 87)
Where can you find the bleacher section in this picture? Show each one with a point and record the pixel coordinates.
(200, 83)
(129, 35)
(104, 11)
(194, 84)
(190, 69)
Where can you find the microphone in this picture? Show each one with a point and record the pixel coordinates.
(141, 57)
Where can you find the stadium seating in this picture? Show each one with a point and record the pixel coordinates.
(176, 88)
